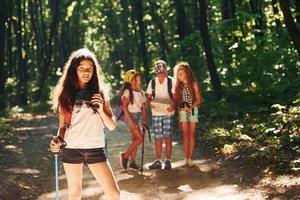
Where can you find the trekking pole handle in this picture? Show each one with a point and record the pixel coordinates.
(59, 139)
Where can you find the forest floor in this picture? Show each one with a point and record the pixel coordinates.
(27, 170)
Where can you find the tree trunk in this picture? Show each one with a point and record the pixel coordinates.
(182, 25)
(195, 10)
(290, 24)
(138, 9)
(256, 8)
(228, 14)
(3, 36)
(55, 11)
(164, 48)
(21, 53)
(47, 46)
(215, 81)
(113, 37)
(298, 11)
(11, 69)
(225, 9)
(228, 9)
(127, 44)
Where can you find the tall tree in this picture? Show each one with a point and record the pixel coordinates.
(215, 80)
(113, 38)
(164, 48)
(127, 43)
(256, 8)
(182, 24)
(195, 11)
(228, 9)
(139, 10)
(290, 24)
(298, 11)
(3, 20)
(22, 57)
(55, 13)
(228, 15)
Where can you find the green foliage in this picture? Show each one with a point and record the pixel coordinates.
(273, 136)
(5, 128)
(38, 108)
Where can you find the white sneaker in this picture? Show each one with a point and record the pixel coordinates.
(190, 162)
(186, 163)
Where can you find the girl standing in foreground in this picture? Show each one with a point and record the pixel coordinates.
(83, 109)
(188, 99)
(134, 108)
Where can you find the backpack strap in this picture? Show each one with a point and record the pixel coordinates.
(170, 87)
(153, 87)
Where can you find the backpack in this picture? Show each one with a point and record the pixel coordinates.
(153, 83)
(119, 113)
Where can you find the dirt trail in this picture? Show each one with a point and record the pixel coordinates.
(27, 171)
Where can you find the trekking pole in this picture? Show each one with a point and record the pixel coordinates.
(145, 128)
(63, 144)
(56, 177)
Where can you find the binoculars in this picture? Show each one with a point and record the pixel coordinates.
(184, 104)
(85, 95)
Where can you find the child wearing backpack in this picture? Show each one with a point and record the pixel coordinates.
(82, 103)
(160, 98)
(134, 108)
(188, 100)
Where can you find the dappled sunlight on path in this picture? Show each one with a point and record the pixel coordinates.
(29, 171)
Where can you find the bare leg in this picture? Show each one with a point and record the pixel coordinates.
(136, 141)
(192, 139)
(168, 148)
(105, 177)
(133, 154)
(158, 148)
(74, 178)
(185, 136)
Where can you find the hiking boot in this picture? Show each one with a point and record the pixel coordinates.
(133, 165)
(168, 164)
(123, 161)
(155, 165)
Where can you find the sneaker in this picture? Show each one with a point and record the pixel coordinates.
(186, 163)
(190, 162)
(168, 164)
(155, 165)
(123, 161)
(133, 165)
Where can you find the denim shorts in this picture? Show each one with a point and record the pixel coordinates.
(85, 156)
(136, 117)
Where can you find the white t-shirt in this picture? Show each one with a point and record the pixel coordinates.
(86, 129)
(138, 100)
(161, 94)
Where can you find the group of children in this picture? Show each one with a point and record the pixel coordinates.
(164, 95)
(82, 103)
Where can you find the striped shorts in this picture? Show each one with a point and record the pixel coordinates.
(162, 126)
